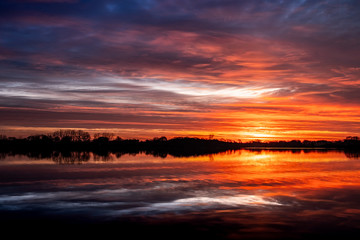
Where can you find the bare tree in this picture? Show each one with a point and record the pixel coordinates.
(73, 135)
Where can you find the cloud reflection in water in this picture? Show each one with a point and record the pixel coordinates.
(200, 203)
(239, 193)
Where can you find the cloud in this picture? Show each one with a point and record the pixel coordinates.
(180, 57)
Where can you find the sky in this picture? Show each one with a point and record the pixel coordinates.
(234, 69)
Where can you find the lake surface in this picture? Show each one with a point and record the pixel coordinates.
(244, 194)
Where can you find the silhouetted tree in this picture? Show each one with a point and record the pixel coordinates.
(350, 138)
(161, 139)
(71, 135)
(109, 136)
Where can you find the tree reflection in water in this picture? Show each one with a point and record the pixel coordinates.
(79, 157)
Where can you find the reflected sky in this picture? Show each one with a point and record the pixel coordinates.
(255, 191)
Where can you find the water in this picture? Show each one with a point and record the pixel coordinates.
(245, 194)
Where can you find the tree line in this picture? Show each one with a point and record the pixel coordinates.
(101, 143)
(79, 140)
